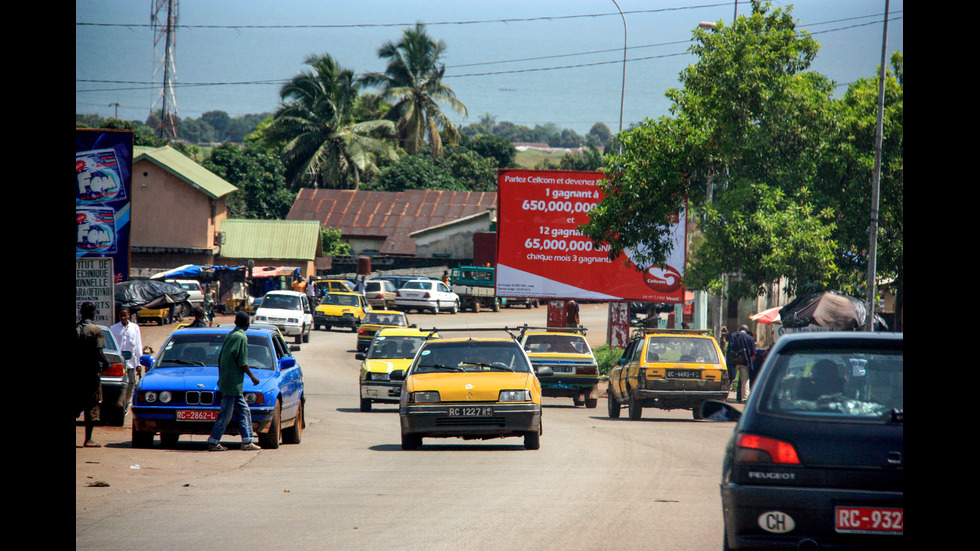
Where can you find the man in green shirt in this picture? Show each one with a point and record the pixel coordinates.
(232, 364)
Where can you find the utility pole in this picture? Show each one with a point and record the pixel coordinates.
(876, 183)
(164, 22)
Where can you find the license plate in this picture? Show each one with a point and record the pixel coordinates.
(683, 374)
(471, 412)
(563, 369)
(196, 415)
(869, 520)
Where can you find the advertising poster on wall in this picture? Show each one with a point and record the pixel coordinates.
(103, 195)
(542, 254)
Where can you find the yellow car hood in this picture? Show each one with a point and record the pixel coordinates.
(336, 309)
(387, 366)
(470, 387)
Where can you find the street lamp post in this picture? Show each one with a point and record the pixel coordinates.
(622, 93)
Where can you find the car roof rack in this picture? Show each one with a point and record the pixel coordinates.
(521, 329)
(649, 330)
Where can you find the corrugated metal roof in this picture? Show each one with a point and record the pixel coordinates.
(272, 239)
(388, 214)
(186, 169)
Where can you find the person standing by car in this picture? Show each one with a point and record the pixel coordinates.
(741, 350)
(232, 363)
(199, 315)
(89, 354)
(128, 339)
(571, 314)
(209, 300)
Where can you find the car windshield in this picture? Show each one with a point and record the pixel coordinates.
(395, 347)
(556, 344)
(857, 382)
(681, 349)
(339, 300)
(201, 350)
(385, 319)
(282, 302)
(470, 356)
(418, 285)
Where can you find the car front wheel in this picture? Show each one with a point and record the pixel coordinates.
(270, 440)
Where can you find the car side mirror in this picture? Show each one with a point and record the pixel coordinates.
(713, 410)
(397, 375)
(360, 356)
(294, 348)
(287, 362)
(146, 361)
(127, 355)
(544, 371)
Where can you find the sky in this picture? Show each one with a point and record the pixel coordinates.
(530, 62)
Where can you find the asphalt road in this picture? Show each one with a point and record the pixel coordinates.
(596, 483)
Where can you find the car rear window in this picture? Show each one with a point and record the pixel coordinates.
(680, 349)
(471, 356)
(556, 344)
(385, 319)
(852, 382)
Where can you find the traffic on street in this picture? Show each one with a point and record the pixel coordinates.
(589, 481)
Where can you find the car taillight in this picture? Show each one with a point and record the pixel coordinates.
(752, 448)
(427, 295)
(115, 370)
(587, 370)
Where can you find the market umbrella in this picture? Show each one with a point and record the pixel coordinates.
(137, 294)
(767, 316)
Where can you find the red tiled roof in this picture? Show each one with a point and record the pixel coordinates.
(388, 214)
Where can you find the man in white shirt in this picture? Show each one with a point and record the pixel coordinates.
(128, 338)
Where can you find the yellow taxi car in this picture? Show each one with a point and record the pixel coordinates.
(374, 321)
(668, 369)
(340, 309)
(470, 388)
(567, 353)
(393, 348)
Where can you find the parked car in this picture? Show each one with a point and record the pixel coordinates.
(668, 369)
(340, 309)
(374, 321)
(392, 348)
(470, 388)
(289, 311)
(427, 294)
(567, 353)
(380, 293)
(113, 381)
(179, 392)
(324, 286)
(195, 293)
(816, 460)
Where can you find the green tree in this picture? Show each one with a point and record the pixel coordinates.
(259, 176)
(323, 143)
(493, 147)
(750, 125)
(413, 82)
(415, 172)
(332, 244)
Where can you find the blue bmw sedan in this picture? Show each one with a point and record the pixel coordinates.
(179, 393)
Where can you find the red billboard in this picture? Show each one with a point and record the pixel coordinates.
(542, 254)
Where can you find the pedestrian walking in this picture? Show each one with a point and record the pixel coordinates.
(741, 351)
(571, 314)
(232, 365)
(129, 339)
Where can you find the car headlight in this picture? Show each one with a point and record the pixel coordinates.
(523, 395)
(292, 320)
(166, 396)
(253, 398)
(259, 318)
(150, 396)
(424, 397)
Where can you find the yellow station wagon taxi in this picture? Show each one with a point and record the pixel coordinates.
(374, 321)
(567, 353)
(668, 369)
(470, 388)
(393, 348)
(340, 309)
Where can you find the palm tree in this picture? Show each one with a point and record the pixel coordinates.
(316, 123)
(413, 82)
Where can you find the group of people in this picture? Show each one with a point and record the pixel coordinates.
(92, 361)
